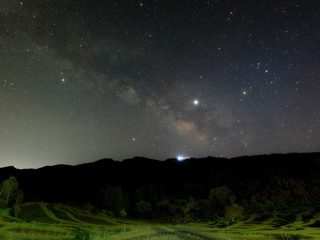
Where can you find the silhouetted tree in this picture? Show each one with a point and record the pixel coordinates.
(143, 209)
(234, 212)
(222, 196)
(10, 192)
(163, 209)
(114, 199)
(219, 198)
(282, 190)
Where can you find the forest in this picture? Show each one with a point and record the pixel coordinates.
(170, 191)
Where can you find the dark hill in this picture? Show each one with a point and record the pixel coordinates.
(192, 177)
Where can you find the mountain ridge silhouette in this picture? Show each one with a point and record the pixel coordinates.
(82, 183)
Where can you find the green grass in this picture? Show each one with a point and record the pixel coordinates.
(61, 222)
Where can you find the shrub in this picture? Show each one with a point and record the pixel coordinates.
(143, 209)
(234, 212)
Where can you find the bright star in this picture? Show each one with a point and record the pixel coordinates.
(196, 102)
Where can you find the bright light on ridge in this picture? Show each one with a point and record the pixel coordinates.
(181, 158)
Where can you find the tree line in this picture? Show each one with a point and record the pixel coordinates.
(153, 202)
(220, 202)
(197, 189)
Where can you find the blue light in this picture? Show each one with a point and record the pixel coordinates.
(181, 158)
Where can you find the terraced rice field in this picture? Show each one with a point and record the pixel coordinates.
(56, 221)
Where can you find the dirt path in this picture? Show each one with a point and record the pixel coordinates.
(179, 234)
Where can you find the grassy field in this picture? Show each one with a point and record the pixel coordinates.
(56, 221)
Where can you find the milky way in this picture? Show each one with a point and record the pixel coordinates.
(82, 80)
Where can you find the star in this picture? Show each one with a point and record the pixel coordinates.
(196, 102)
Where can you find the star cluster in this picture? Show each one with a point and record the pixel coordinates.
(87, 79)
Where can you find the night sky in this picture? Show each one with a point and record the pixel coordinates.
(82, 80)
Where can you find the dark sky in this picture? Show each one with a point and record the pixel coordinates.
(82, 80)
